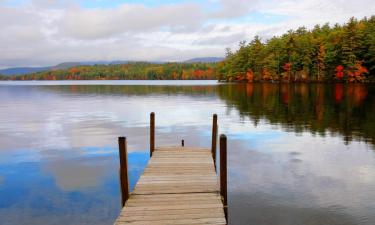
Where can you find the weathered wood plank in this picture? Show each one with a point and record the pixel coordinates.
(178, 186)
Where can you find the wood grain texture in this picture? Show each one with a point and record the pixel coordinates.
(179, 186)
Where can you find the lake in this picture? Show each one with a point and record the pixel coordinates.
(297, 153)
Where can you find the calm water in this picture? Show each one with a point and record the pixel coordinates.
(298, 154)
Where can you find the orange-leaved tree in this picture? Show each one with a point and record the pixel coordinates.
(266, 75)
(250, 76)
(287, 68)
(357, 73)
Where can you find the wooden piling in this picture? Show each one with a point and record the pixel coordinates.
(124, 182)
(223, 173)
(152, 133)
(214, 138)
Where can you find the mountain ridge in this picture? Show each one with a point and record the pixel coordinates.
(66, 65)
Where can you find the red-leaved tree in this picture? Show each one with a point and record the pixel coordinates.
(339, 72)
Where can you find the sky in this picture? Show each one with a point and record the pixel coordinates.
(48, 32)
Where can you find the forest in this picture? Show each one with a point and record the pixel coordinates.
(128, 71)
(344, 53)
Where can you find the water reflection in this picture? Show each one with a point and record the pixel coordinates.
(299, 154)
(72, 191)
(338, 109)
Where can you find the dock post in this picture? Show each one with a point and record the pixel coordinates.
(214, 139)
(124, 182)
(152, 133)
(182, 143)
(223, 173)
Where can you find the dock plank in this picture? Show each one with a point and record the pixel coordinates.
(179, 186)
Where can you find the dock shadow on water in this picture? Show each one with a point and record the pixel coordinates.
(298, 153)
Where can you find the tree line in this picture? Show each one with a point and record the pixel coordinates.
(129, 71)
(325, 53)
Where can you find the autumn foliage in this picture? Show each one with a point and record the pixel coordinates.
(266, 75)
(130, 71)
(250, 76)
(287, 68)
(357, 72)
(339, 72)
(326, 53)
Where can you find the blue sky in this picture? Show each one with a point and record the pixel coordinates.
(47, 32)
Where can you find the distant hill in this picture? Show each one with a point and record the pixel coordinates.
(27, 70)
(204, 60)
(61, 66)
(67, 65)
(22, 70)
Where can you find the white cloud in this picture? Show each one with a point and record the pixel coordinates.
(97, 23)
(311, 12)
(45, 32)
(235, 8)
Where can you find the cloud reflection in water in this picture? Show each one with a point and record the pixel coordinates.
(59, 163)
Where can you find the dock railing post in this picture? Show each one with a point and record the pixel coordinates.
(214, 138)
(152, 133)
(223, 173)
(124, 182)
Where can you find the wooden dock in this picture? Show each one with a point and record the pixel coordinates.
(178, 186)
